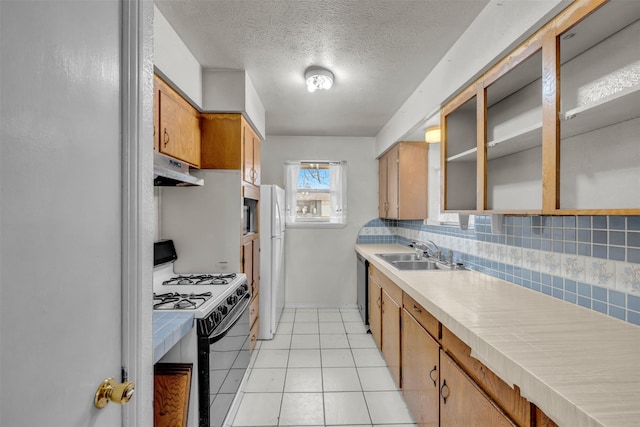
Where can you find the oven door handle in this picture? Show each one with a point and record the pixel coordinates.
(222, 330)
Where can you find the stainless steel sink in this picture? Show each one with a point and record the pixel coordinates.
(400, 257)
(408, 261)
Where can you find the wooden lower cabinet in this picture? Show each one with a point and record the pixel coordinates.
(462, 402)
(440, 381)
(420, 372)
(375, 311)
(391, 335)
(385, 304)
(253, 335)
(509, 398)
(251, 267)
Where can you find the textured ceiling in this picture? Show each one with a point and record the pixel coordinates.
(379, 51)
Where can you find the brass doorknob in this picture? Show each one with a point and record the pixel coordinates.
(109, 390)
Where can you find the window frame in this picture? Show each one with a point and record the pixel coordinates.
(337, 192)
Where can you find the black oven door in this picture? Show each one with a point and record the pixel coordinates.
(223, 358)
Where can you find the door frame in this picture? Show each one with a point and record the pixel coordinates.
(136, 83)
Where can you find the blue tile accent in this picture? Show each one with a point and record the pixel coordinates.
(584, 302)
(584, 249)
(584, 222)
(633, 222)
(600, 306)
(616, 253)
(569, 221)
(617, 298)
(558, 282)
(633, 317)
(633, 239)
(633, 303)
(599, 222)
(617, 238)
(600, 237)
(617, 312)
(570, 297)
(168, 329)
(599, 293)
(599, 251)
(584, 290)
(617, 222)
(584, 235)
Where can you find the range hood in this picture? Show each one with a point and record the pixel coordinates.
(169, 172)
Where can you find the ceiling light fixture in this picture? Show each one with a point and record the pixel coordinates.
(432, 134)
(318, 78)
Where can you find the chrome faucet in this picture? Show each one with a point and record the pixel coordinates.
(430, 248)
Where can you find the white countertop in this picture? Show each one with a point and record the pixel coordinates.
(580, 367)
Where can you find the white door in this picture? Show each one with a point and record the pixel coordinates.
(61, 305)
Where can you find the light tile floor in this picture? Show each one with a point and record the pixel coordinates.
(321, 369)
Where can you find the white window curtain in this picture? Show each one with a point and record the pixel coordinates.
(292, 171)
(338, 191)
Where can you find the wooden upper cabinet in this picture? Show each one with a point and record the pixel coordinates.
(176, 125)
(251, 150)
(402, 181)
(598, 152)
(229, 142)
(517, 141)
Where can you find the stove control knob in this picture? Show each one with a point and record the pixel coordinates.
(232, 299)
(223, 309)
(217, 317)
(240, 291)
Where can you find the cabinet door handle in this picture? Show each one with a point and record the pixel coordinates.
(416, 309)
(378, 302)
(435, 369)
(445, 389)
(166, 137)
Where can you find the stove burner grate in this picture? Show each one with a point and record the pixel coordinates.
(178, 301)
(201, 279)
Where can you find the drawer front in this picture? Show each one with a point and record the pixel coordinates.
(387, 284)
(423, 317)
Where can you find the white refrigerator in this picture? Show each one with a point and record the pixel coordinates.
(272, 238)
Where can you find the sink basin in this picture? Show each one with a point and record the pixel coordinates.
(417, 265)
(408, 261)
(399, 257)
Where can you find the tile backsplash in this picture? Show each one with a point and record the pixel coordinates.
(592, 261)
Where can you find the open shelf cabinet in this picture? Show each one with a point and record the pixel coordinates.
(556, 121)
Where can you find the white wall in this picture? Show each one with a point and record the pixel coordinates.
(174, 60)
(321, 263)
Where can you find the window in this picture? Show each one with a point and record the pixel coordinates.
(316, 194)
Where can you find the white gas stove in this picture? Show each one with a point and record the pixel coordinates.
(198, 293)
